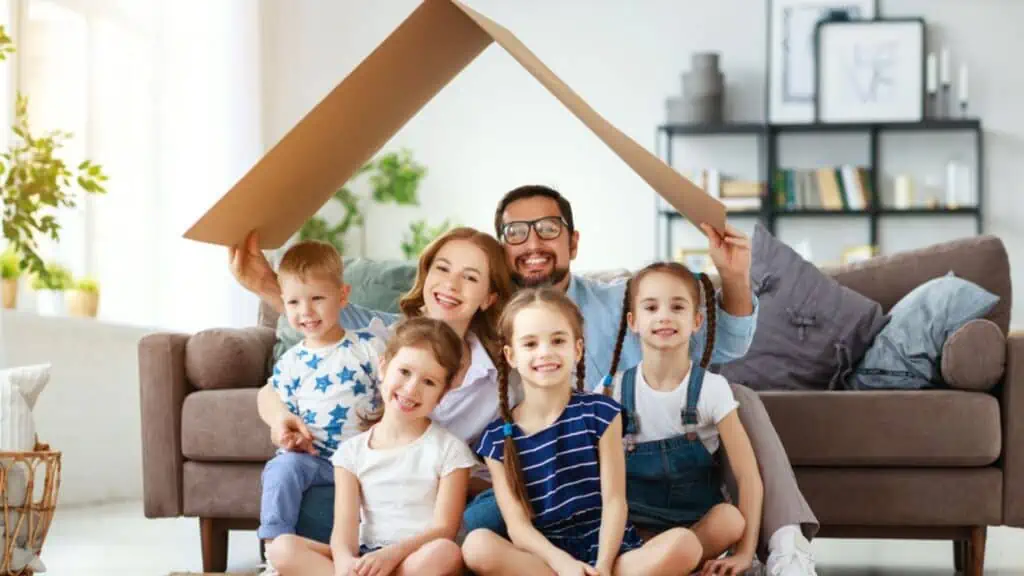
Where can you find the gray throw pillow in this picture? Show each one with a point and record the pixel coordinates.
(811, 331)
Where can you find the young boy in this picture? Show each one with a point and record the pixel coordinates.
(327, 379)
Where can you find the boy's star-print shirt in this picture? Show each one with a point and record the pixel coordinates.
(329, 387)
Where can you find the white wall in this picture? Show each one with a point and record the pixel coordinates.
(494, 127)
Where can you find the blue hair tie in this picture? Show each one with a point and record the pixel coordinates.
(507, 428)
(607, 381)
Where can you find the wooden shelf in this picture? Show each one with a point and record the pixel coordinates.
(734, 128)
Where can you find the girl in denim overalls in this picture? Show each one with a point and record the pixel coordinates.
(674, 413)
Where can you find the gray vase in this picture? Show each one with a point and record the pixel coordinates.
(703, 92)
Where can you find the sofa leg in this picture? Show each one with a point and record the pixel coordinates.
(214, 535)
(974, 557)
(959, 548)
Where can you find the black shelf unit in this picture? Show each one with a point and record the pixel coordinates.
(768, 147)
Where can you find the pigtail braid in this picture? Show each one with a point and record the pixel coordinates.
(513, 469)
(623, 325)
(709, 306)
(581, 374)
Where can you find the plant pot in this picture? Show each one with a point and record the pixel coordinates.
(81, 303)
(50, 302)
(9, 293)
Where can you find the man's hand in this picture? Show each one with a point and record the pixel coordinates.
(731, 254)
(251, 268)
(290, 433)
(729, 251)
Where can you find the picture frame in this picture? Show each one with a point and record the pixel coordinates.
(856, 254)
(791, 53)
(696, 259)
(870, 71)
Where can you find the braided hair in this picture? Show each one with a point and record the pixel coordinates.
(557, 300)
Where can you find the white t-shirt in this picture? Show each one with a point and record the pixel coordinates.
(328, 387)
(660, 412)
(399, 485)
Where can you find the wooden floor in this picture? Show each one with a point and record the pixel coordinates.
(116, 540)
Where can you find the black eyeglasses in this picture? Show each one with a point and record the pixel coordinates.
(547, 228)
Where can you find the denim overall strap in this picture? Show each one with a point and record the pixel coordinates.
(693, 388)
(628, 397)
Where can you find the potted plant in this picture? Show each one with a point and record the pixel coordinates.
(10, 271)
(35, 181)
(50, 287)
(84, 298)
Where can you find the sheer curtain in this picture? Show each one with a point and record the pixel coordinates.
(166, 96)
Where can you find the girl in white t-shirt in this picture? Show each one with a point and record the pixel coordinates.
(676, 415)
(400, 486)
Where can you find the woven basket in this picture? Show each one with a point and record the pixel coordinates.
(29, 483)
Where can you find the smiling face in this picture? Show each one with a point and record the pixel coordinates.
(665, 311)
(544, 346)
(413, 383)
(538, 261)
(457, 284)
(313, 304)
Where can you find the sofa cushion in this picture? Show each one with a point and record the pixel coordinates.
(928, 428)
(974, 357)
(376, 284)
(906, 353)
(223, 426)
(811, 331)
(222, 358)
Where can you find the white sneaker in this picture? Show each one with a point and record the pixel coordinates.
(790, 554)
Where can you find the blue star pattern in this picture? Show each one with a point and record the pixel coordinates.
(307, 381)
(323, 383)
(292, 388)
(339, 414)
(346, 375)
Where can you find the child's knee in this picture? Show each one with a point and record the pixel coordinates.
(281, 551)
(479, 549)
(443, 555)
(685, 548)
(730, 521)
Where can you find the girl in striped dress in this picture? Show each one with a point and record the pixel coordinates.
(557, 461)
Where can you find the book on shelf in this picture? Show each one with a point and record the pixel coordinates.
(734, 193)
(831, 188)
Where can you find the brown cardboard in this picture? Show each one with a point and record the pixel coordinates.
(434, 44)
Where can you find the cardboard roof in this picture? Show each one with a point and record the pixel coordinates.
(342, 132)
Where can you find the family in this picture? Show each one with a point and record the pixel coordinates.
(516, 418)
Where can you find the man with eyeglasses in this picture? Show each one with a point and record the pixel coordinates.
(535, 225)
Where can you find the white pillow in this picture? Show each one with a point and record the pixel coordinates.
(19, 389)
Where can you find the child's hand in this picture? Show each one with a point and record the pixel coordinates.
(729, 250)
(290, 433)
(573, 567)
(729, 566)
(343, 566)
(379, 563)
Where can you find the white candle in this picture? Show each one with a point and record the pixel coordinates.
(945, 77)
(933, 74)
(963, 83)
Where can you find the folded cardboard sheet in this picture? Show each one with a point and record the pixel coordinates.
(341, 133)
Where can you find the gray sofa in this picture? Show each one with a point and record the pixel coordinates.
(937, 464)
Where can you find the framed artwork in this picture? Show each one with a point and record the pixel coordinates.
(792, 56)
(697, 260)
(856, 254)
(871, 71)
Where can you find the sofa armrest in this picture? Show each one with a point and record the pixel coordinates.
(1012, 402)
(163, 390)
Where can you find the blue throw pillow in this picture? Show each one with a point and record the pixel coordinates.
(906, 355)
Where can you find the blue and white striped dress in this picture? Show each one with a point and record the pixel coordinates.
(562, 474)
